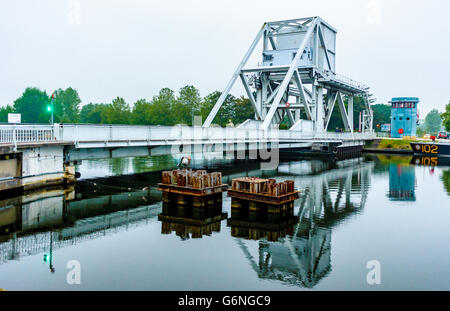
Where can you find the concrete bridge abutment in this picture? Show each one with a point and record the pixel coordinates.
(27, 167)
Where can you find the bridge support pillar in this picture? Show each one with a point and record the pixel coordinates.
(319, 111)
(350, 112)
(253, 210)
(198, 202)
(182, 200)
(166, 197)
(69, 172)
(236, 208)
(33, 166)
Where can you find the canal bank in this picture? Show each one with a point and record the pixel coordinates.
(389, 146)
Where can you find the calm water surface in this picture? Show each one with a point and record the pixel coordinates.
(392, 209)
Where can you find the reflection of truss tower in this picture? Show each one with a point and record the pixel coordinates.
(297, 68)
(304, 258)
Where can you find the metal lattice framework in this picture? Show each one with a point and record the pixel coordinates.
(329, 198)
(297, 70)
(83, 230)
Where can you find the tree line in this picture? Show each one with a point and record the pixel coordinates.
(446, 117)
(166, 108)
(170, 108)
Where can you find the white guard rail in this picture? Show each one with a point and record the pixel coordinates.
(93, 135)
(26, 133)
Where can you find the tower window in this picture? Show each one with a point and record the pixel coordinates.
(267, 57)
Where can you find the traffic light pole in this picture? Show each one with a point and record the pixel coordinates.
(51, 107)
(52, 114)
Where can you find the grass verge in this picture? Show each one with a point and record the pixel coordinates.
(399, 144)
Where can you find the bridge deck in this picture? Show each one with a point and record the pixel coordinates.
(99, 136)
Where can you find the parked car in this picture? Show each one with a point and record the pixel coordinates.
(443, 135)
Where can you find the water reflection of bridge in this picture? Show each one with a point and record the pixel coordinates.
(304, 257)
(32, 224)
(332, 191)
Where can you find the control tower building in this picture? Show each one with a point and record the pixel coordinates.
(404, 116)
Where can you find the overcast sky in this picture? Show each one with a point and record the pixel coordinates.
(132, 48)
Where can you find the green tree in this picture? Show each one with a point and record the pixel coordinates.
(92, 113)
(433, 122)
(225, 113)
(446, 117)
(243, 110)
(285, 124)
(117, 113)
(4, 112)
(187, 105)
(381, 115)
(420, 131)
(67, 106)
(33, 106)
(141, 113)
(336, 119)
(161, 110)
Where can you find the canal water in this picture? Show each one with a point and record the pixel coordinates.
(378, 218)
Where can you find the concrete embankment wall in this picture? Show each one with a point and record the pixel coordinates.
(391, 146)
(33, 167)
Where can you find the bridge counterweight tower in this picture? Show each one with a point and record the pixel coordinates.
(297, 74)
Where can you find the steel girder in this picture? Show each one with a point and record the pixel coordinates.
(275, 84)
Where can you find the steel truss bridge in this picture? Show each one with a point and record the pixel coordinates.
(297, 69)
(87, 141)
(295, 79)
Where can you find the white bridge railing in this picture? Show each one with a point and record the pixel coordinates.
(343, 79)
(26, 133)
(93, 135)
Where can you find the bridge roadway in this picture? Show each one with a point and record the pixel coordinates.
(88, 141)
(34, 156)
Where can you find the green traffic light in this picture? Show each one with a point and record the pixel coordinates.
(47, 257)
(49, 108)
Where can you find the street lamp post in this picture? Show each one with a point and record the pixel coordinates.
(51, 107)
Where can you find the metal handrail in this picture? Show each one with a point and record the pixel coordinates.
(26, 133)
(344, 79)
(125, 133)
